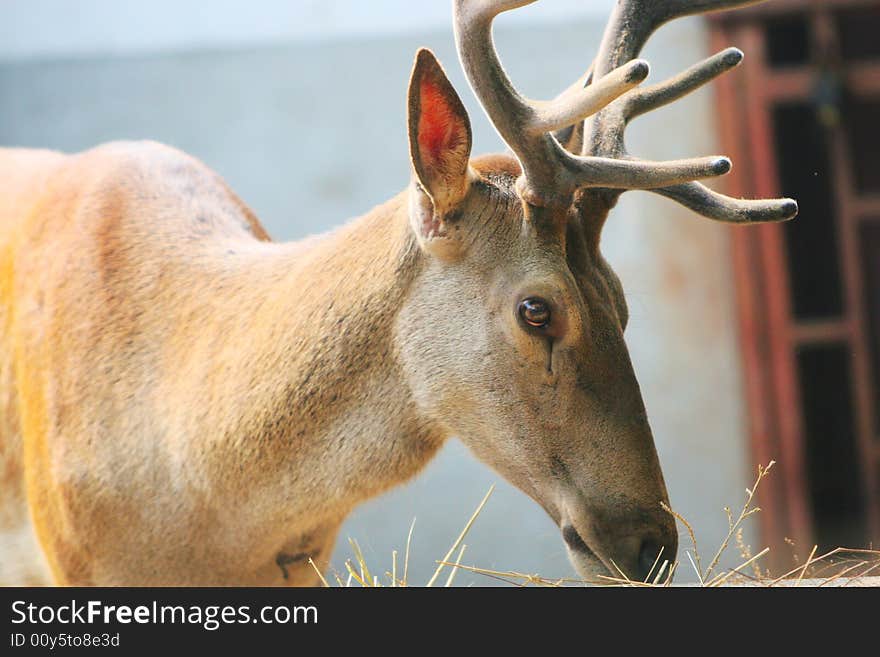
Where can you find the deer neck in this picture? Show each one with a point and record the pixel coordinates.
(320, 409)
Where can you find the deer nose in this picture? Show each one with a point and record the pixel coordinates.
(654, 550)
(635, 542)
(650, 559)
(639, 559)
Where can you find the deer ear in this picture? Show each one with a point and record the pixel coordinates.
(439, 134)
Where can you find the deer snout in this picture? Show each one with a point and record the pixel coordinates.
(634, 545)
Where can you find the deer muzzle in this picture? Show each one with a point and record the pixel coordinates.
(631, 542)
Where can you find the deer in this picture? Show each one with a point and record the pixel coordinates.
(185, 402)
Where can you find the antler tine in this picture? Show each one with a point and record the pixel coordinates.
(631, 24)
(650, 98)
(719, 207)
(639, 174)
(522, 123)
(511, 113)
(574, 104)
(551, 174)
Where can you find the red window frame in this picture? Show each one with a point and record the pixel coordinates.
(769, 333)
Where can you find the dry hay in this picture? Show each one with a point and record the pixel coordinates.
(836, 568)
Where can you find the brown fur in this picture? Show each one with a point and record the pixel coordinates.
(185, 402)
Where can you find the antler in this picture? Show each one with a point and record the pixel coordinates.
(631, 24)
(551, 174)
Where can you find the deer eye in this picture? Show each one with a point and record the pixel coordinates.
(535, 312)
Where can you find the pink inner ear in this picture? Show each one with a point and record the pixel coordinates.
(438, 126)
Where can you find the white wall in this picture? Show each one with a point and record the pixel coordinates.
(40, 28)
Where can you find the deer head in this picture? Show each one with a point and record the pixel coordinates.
(514, 335)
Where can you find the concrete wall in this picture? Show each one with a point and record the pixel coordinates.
(313, 133)
(64, 28)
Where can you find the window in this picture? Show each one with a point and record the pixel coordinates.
(804, 123)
